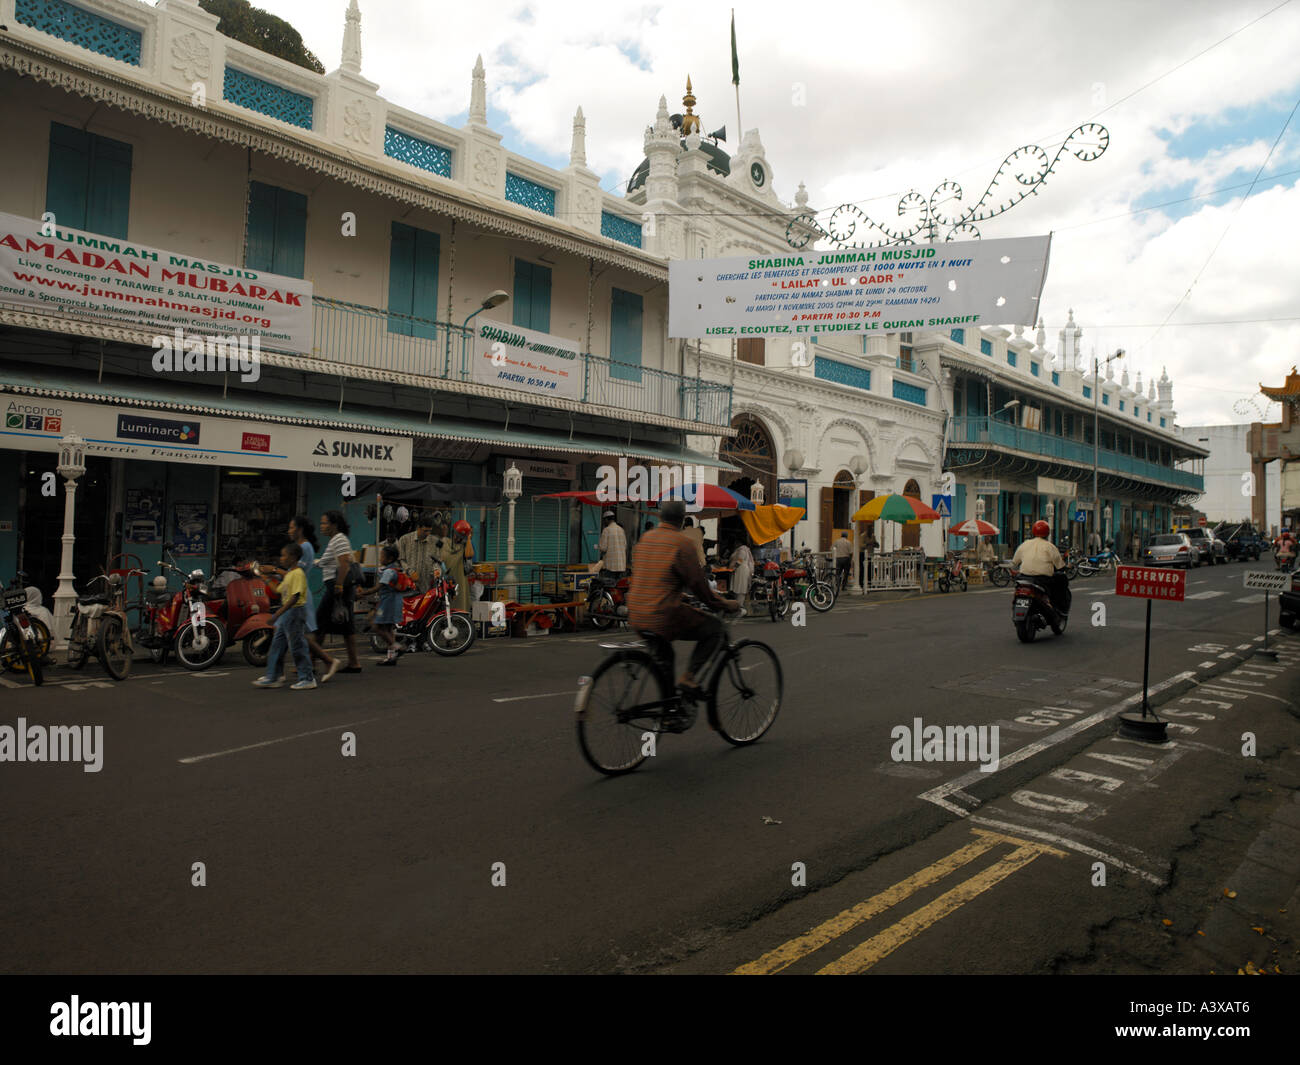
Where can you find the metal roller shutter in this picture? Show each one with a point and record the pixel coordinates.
(541, 525)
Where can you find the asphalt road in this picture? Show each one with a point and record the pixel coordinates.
(384, 860)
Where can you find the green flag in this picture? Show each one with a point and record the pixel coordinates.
(735, 59)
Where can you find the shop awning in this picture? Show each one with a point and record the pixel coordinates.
(276, 408)
(398, 491)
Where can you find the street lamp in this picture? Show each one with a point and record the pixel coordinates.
(858, 466)
(492, 299)
(72, 465)
(1096, 434)
(1106, 516)
(514, 488)
(1050, 510)
(756, 493)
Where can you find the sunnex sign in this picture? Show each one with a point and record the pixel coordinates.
(37, 424)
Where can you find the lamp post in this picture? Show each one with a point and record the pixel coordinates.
(492, 299)
(1096, 435)
(1106, 515)
(793, 463)
(858, 466)
(72, 465)
(756, 493)
(514, 488)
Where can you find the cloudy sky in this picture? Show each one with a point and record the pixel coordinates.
(863, 102)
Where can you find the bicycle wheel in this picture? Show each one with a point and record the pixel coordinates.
(113, 649)
(821, 596)
(745, 693)
(78, 643)
(609, 727)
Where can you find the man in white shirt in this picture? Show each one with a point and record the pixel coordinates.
(613, 546)
(842, 551)
(1038, 557)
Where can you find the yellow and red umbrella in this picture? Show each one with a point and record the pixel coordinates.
(903, 509)
(973, 527)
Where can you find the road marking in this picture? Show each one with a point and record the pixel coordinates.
(939, 795)
(5, 682)
(1074, 845)
(1250, 599)
(1205, 595)
(1228, 654)
(1243, 646)
(267, 743)
(541, 695)
(789, 953)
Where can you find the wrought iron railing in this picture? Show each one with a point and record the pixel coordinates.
(992, 433)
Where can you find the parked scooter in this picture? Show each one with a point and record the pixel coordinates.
(243, 601)
(430, 623)
(1032, 608)
(180, 622)
(607, 600)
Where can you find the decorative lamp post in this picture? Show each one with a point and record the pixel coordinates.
(514, 488)
(756, 493)
(858, 466)
(1051, 512)
(1106, 515)
(793, 463)
(72, 465)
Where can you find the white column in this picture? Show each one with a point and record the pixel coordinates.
(65, 598)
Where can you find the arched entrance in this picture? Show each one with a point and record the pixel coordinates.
(753, 451)
(911, 533)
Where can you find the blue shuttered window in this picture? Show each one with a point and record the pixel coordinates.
(909, 393)
(532, 300)
(277, 230)
(1011, 358)
(1033, 368)
(1087, 392)
(625, 330)
(413, 280)
(958, 336)
(88, 183)
(986, 348)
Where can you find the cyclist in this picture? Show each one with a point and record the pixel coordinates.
(1038, 557)
(664, 566)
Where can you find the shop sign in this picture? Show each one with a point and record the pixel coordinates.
(36, 424)
(793, 493)
(78, 275)
(1048, 486)
(540, 364)
(987, 488)
(556, 471)
(962, 284)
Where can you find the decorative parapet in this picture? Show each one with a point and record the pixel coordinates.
(84, 28)
(267, 98)
(407, 148)
(529, 194)
(622, 229)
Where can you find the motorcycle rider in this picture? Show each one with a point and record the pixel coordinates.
(1038, 557)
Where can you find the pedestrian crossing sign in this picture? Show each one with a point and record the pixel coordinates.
(942, 505)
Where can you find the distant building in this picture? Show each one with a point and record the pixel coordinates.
(1234, 491)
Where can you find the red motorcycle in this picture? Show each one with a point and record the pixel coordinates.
(607, 600)
(180, 622)
(245, 605)
(430, 623)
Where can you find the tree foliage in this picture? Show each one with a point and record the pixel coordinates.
(261, 30)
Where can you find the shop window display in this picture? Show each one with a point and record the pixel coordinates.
(255, 510)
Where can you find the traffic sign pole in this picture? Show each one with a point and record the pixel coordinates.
(1264, 652)
(1146, 667)
(1141, 582)
(1266, 582)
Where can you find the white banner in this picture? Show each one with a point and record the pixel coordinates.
(72, 274)
(859, 290)
(509, 356)
(36, 423)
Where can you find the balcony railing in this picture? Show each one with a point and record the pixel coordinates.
(992, 433)
(353, 335)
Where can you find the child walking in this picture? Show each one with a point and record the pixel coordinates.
(388, 614)
(290, 626)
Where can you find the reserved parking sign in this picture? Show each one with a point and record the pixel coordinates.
(1150, 582)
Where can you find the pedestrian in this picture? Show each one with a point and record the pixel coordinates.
(418, 551)
(455, 553)
(869, 546)
(301, 533)
(742, 564)
(290, 627)
(613, 547)
(388, 614)
(842, 551)
(696, 535)
(342, 574)
(1094, 543)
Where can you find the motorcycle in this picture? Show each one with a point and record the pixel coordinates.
(430, 623)
(607, 600)
(952, 574)
(1284, 559)
(1095, 564)
(1032, 608)
(243, 603)
(20, 644)
(180, 623)
(805, 583)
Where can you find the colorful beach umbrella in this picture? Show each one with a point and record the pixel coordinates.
(708, 497)
(902, 509)
(973, 527)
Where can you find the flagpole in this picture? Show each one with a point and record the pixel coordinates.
(735, 77)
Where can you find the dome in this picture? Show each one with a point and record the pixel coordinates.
(719, 163)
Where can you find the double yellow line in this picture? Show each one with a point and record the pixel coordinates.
(863, 957)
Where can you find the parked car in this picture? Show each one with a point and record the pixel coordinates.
(1240, 541)
(1204, 543)
(1170, 549)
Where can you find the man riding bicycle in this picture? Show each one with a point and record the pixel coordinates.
(664, 566)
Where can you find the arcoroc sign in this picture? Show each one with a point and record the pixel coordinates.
(1147, 582)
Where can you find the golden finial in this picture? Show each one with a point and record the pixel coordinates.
(690, 122)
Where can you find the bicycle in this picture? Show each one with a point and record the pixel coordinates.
(952, 572)
(100, 625)
(632, 695)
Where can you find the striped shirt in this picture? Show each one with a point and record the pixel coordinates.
(663, 566)
(328, 561)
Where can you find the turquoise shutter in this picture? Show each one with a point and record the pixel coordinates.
(261, 227)
(424, 283)
(523, 308)
(68, 175)
(541, 525)
(109, 197)
(625, 335)
(541, 299)
(401, 263)
(290, 233)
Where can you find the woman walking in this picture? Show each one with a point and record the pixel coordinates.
(742, 563)
(300, 532)
(341, 576)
